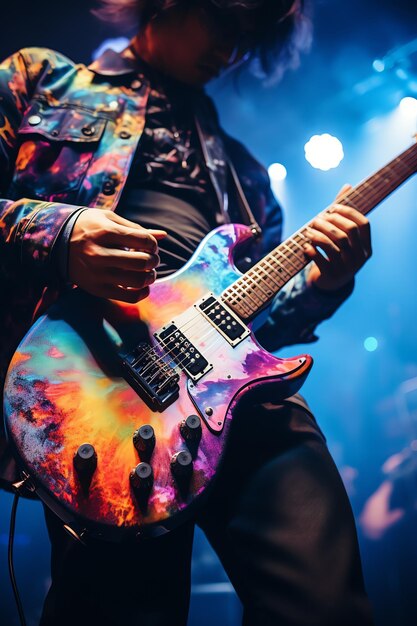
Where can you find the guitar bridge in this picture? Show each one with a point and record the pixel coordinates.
(151, 377)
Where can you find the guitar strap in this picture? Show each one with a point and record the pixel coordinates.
(219, 165)
(245, 210)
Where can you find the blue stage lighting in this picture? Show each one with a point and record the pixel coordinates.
(408, 106)
(370, 344)
(378, 65)
(277, 172)
(324, 152)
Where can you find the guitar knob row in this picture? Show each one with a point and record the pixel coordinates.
(141, 477)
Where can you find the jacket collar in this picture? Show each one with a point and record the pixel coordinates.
(112, 63)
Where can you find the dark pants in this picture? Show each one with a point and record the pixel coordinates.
(278, 517)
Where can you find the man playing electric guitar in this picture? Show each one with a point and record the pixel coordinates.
(110, 176)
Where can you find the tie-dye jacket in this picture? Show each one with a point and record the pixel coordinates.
(67, 137)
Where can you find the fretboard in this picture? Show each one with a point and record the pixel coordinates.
(248, 295)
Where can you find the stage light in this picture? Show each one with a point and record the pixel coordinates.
(324, 152)
(378, 65)
(370, 344)
(408, 106)
(277, 172)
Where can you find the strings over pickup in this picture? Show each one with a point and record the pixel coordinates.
(183, 352)
(155, 381)
(223, 319)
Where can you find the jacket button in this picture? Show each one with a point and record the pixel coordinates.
(124, 134)
(109, 187)
(34, 120)
(55, 133)
(88, 131)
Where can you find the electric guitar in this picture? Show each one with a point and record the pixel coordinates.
(119, 413)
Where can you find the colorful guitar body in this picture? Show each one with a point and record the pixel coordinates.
(82, 384)
(119, 414)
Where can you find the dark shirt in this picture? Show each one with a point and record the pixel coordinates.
(169, 161)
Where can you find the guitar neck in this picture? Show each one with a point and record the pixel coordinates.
(248, 295)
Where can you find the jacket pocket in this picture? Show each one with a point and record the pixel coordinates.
(56, 147)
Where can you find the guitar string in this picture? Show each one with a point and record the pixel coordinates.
(167, 351)
(180, 362)
(192, 322)
(350, 195)
(359, 192)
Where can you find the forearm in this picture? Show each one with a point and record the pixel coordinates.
(29, 230)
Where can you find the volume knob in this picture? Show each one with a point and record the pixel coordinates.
(141, 477)
(191, 428)
(85, 464)
(141, 480)
(144, 441)
(85, 459)
(182, 467)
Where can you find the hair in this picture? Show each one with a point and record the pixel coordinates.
(286, 26)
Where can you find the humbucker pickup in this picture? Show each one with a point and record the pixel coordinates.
(223, 319)
(182, 351)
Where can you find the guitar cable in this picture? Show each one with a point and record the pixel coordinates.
(25, 483)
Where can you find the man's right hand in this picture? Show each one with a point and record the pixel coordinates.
(112, 257)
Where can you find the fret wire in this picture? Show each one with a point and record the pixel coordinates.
(273, 271)
(295, 253)
(280, 268)
(269, 275)
(286, 258)
(365, 196)
(299, 245)
(379, 186)
(247, 295)
(242, 304)
(249, 277)
(261, 279)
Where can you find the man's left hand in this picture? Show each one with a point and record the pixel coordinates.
(344, 237)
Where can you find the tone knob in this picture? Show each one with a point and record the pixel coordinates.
(141, 477)
(144, 441)
(85, 464)
(182, 466)
(85, 459)
(191, 428)
(141, 480)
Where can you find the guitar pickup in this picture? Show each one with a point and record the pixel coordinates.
(223, 319)
(182, 351)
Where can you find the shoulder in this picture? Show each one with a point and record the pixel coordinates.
(35, 61)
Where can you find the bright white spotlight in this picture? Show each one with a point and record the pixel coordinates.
(378, 65)
(408, 106)
(277, 172)
(324, 152)
(370, 344)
